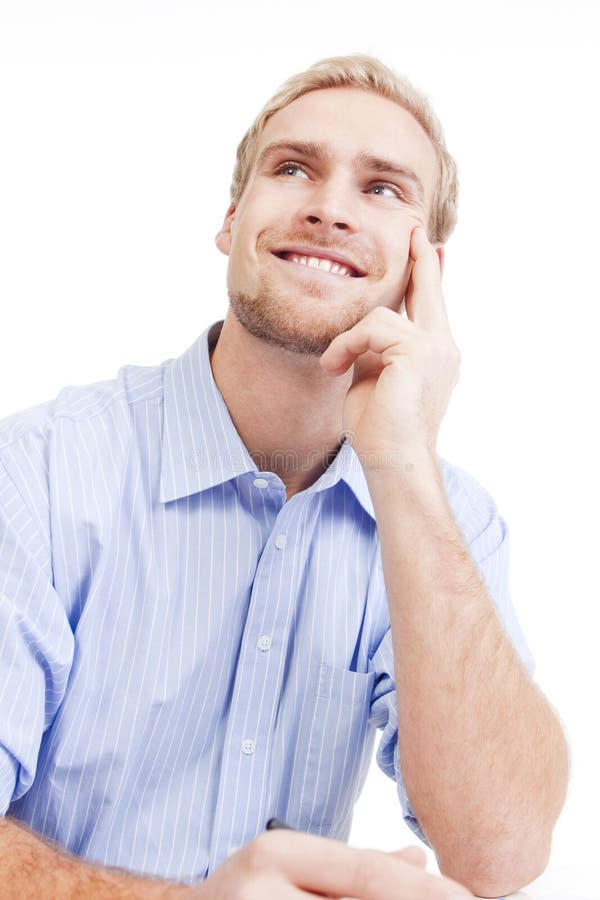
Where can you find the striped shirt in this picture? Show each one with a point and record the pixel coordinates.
(183, 653)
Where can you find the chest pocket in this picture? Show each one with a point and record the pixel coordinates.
(338, 747)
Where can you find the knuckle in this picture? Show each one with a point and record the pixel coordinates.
(449, 352)
(258, 854)
(366, 871)
(384, 313)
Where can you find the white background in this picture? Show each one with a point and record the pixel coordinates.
(119, 125)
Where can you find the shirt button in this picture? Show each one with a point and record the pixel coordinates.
(248, 747)
(264, 642)
(280, 541)
(261, 483)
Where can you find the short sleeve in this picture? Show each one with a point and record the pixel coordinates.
(36, 643)
(486, 535)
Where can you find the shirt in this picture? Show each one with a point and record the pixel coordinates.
(184, 653)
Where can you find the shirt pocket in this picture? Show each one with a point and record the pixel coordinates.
(338, 744)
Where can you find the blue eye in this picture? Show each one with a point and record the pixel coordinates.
(395, 192)
(289, 169)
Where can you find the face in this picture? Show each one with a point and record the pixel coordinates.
(321, 234)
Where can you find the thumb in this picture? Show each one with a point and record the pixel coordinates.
(413, 855)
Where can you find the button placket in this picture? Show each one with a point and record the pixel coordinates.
(261, 678)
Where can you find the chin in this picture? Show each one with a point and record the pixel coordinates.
(281, 321)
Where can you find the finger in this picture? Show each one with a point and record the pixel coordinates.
(330, 867)
(282, 891)
(296, 894)
(413, 855)
(424, 299)
(378, 331)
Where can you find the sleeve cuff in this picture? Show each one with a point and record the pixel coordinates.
(9, 773)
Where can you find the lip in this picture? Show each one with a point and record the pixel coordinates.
(321, 254)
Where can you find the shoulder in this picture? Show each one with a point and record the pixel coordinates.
(80, 404)
(84, 433)
(473, 506)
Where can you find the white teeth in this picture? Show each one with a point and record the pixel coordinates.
(316, 262)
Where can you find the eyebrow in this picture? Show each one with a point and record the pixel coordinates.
(320, 152)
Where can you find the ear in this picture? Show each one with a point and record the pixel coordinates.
(440, 250)
(223, 237)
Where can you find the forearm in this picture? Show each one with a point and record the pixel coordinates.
(31, 868)
(483, 755)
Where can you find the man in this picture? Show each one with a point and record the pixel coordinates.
(222, 574)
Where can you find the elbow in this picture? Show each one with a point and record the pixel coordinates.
(501, 872)
(502, 883)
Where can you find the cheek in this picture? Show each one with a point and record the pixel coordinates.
(243, 248)
(399, 262)
(239, 273)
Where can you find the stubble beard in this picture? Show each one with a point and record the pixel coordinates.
(285, 322)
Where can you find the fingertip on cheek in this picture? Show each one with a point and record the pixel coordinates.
(414, 241)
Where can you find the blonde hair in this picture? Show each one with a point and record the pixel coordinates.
(369, 74)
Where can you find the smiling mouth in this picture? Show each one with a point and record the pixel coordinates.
(322, 263)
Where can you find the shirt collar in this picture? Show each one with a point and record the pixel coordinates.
(201, 447)
(346, 466)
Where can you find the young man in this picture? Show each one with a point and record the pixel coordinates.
(221, 575)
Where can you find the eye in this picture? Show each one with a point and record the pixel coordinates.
(289, 168)
(391, 188)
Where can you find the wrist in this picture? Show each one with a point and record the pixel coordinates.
(408, 465)
(410, 476)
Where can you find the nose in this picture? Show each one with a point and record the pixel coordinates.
(329, 208)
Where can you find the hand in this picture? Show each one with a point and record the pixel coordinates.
(282, 865)
(405, 368)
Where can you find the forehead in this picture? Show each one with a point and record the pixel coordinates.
(354, 122)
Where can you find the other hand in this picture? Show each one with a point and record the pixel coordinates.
(284, 865)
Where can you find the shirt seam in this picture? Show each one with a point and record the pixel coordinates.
(73, 417)
(45, 542)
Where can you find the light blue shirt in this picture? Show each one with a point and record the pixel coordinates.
(183, 653)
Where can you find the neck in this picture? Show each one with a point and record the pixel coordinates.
(286, 409)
